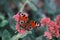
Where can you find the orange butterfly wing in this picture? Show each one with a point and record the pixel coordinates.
(33, 24)
(24, 18)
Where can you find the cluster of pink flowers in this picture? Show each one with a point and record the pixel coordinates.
(48, 34)
(53, 27)
(45, 21)
(17, 17)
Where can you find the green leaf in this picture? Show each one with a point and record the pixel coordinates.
(6, 35)
(35, 1)
(41, 38)
(32, 6)
(59, 38)
(4, 22)
(1, 16)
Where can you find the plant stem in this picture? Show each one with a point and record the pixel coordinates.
(27, 1)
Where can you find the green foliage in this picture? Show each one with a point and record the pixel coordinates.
(6, 35)
(3, 22)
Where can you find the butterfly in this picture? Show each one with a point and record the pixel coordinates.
(26, 23)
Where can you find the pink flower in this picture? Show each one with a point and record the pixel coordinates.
(48, 35)
(57, 20)
(45, 21)
(58, 17)
(21, 31)
(17, 17)
(52, 24)
(57, 33)
(52, 27)
(17, 26)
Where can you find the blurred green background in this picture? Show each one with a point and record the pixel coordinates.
(36, 9)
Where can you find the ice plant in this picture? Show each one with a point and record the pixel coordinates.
(45, 21)
(47, 34)
(53, 27)
(16, 17)
(21, 31)
(57, 20)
